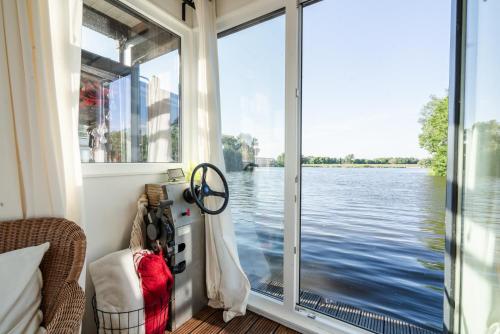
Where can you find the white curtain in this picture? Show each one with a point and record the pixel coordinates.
(227, 284)
(39, 85)
(159, 131)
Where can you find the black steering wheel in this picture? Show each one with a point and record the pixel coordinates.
(199, 193)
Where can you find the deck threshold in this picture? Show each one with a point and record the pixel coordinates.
(376, 323)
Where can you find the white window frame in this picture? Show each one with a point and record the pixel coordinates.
(188, 98)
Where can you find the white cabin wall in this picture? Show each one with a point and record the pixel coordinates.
(110, 208)
(231, 13)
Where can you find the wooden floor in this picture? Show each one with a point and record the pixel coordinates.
(209, 321)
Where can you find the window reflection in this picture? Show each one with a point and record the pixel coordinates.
(480, 299)
(129, 90)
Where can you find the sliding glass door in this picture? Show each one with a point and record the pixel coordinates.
(373, 162)
(252, 84)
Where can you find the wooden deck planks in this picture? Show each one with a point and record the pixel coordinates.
(196, 321)
(285, 330)
(210, 321)
(263, 326)
(240, 324)
(212, 325)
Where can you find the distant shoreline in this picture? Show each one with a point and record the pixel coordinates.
(363, 166)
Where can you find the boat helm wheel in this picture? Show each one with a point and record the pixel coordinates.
(200, 192)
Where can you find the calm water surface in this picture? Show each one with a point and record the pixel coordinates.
(371, 237)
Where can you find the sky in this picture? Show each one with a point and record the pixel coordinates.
(368, 69)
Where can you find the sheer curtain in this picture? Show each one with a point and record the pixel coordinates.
(227, 284)
(159, 130)
(39, 87)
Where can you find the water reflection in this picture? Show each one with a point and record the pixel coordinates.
(434, 226)
(257, 208)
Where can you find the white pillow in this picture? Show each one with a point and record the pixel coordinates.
(118, 289)
(21, 290)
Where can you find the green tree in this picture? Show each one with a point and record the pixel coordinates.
(232, 155)
(239, 151)
(434, 135)
(280, 160)
(174, 139)
(349, 159)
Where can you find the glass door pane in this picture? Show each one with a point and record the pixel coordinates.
(374, 133)
(480, 300)
(252, 81)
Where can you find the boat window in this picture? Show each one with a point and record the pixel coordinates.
(129, 89)
(252, 82)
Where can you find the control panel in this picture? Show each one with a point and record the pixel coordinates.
(189, 292)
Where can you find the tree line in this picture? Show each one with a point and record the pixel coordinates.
(434, 134)
(350, 159)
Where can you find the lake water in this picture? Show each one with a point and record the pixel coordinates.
(371, 237)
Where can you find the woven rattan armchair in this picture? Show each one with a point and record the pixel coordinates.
(63, 300)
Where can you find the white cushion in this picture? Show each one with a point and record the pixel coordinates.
(118, 289)
(21, 290)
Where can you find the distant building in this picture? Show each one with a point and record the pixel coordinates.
(265, 162)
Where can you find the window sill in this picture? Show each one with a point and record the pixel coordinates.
(90, 170)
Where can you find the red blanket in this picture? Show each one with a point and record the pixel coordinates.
(157, 282)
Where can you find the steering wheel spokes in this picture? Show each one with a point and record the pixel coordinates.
(218, 194)
(199, 193)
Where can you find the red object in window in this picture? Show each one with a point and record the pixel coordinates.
(187, 212)
(93, 94)
(157, 282)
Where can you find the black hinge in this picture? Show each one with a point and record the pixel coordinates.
(190, 3)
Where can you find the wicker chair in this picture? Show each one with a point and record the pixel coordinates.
(63, 300)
